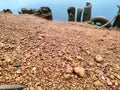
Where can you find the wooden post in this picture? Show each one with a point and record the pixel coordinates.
(87, 12)
(79, 13)
(47, 13)
(71, 14)
(7, 10)
(117, 22)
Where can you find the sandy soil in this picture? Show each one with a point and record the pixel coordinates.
(46, 55)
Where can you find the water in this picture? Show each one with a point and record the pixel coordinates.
(59, 8)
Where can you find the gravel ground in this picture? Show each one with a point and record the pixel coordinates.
(46, 55)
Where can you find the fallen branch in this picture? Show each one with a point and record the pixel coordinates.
(109, 21)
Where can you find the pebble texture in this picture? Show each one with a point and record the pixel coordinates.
(58, 55)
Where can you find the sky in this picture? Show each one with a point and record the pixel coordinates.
(59, 7)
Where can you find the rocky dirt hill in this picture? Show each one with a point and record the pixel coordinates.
(46, 55)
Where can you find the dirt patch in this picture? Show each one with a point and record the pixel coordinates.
(44, 55)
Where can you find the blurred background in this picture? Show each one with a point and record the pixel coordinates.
(59, 8)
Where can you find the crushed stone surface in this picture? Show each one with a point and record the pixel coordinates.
(42, 54)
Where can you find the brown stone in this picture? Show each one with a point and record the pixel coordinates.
(108, 82)
(69, 69)
(80, 71)
(98, 58)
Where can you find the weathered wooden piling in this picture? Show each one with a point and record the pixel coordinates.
(87, 12)
(7, 10)
(79, 13)
(71, 14)
(47, 13)
(44, 12)
(27, 11)
(117, 22)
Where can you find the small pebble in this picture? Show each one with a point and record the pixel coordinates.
(18, 79)
(97, 83)
(88, 52)
(79, 58)
(116, 83)
(17, 65)
(18, 71)
(34, 68)
(102, 77)
(100, 72)
(80, 71)
(45, 70)
(69, 69)
(67, 76)
(109, 82)
(98, 58)
(39, 88)
(91, 63)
